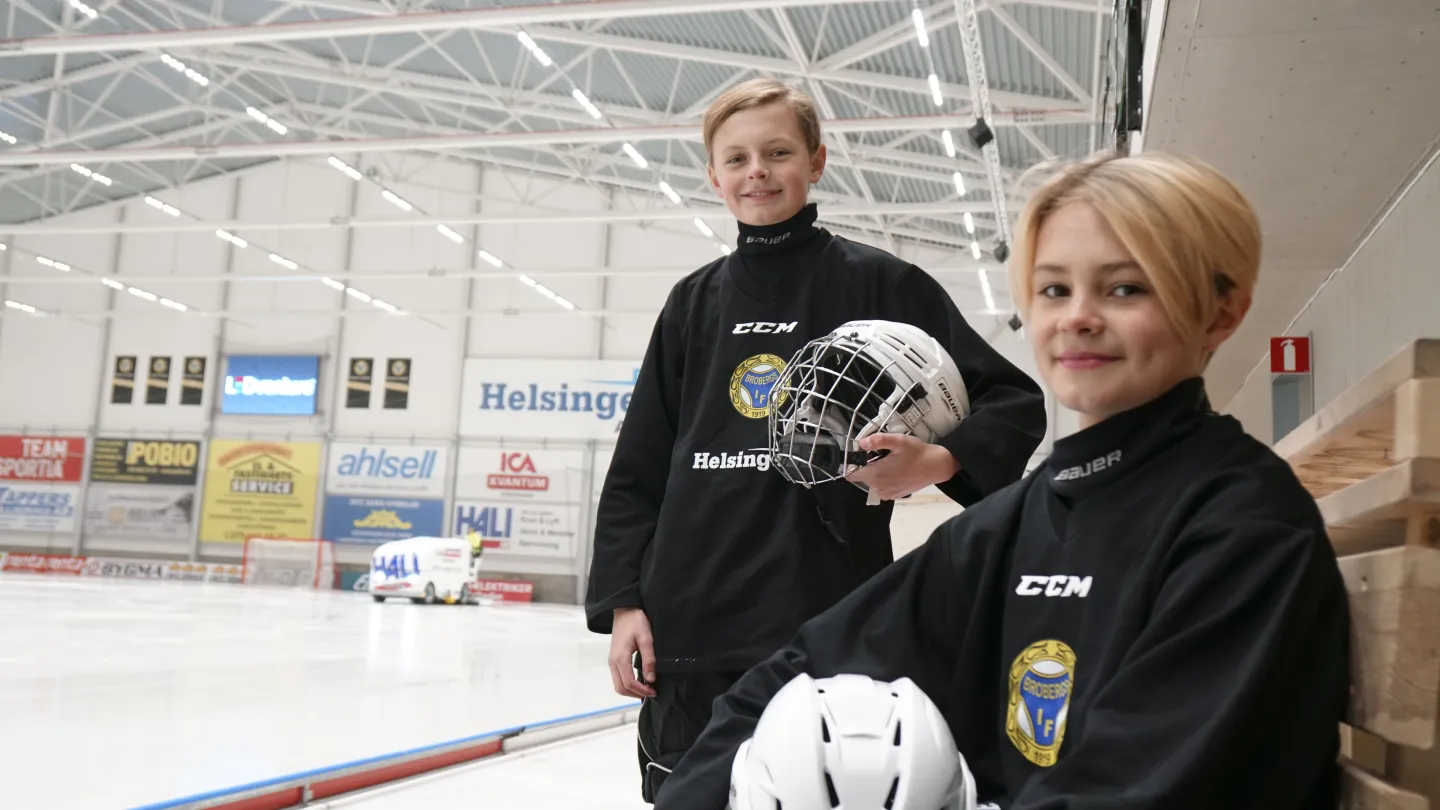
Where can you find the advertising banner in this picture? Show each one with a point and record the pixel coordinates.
(43, 564)
(506, 590)
(192, 381)
(122, 384)
(134, 510)
(259, 488)
(387, 469)
(271, 385)
(114, 568)
(109, 568)
(145, 461)
(529, 529)
(554, 399)
(519, 474)
(350, 519)
(42, 458)
(45, 508)
(157, 390)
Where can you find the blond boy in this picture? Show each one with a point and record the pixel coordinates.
(706, 561)
(1154, 619)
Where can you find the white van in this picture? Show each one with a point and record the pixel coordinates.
(423, 569)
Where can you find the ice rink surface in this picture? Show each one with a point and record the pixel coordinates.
(117, 694)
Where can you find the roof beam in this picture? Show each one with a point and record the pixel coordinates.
(789, 67)
(438, 89)
(942, 210)
(1038, 51)
(397, 24)
(20, 157)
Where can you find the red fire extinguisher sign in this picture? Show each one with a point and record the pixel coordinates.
(1290, 355)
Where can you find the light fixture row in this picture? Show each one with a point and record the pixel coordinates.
(922, 35)
(628, 148)
(447, 232)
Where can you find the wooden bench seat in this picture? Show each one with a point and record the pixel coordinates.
(1371, 458)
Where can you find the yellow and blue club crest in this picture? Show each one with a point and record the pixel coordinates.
(1042, 678)
(752, 383)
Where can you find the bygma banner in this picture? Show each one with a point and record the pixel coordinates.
(260, 489)
(553, 399)
(387, 469)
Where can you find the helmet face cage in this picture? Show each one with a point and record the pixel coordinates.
(832, 394)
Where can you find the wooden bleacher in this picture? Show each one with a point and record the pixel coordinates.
(1371, 457)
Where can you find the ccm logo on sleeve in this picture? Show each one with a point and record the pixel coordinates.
(1057, 585)
(764, 328)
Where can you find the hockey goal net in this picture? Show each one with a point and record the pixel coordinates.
(289, 562)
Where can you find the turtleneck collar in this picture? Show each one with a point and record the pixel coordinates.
(759, 240)
(1088, 460)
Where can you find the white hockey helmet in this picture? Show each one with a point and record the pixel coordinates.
(850, 742)
(863, 378)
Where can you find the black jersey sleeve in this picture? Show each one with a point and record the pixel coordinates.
(629, 504)
(1233, 694)
(1007, 408)
(904, 621)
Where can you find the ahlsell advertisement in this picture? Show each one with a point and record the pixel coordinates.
(387, 469)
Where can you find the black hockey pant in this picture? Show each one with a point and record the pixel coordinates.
(671, 722)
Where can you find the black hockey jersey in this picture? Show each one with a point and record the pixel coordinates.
(726, 556)
(1153, 620)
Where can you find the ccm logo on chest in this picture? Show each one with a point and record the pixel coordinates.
(764, 328)
(1057, 585)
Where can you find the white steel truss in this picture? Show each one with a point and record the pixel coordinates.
(293, 73)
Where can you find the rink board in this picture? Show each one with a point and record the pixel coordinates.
(304, 789)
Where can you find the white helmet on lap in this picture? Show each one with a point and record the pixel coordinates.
(850, 743)
(863, 378)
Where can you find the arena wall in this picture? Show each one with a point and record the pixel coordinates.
(463, 312)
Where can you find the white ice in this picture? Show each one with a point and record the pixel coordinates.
(116, 694)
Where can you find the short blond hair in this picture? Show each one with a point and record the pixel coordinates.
(757, 93)
(1188, 226)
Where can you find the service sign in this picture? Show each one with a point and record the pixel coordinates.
(145, 461)
(525, 529)
(520, 474)
(387, 469)
(259, 489)
(138, 510)
(380, 520)
(44, 508)
(554, 399)
(42, 458)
